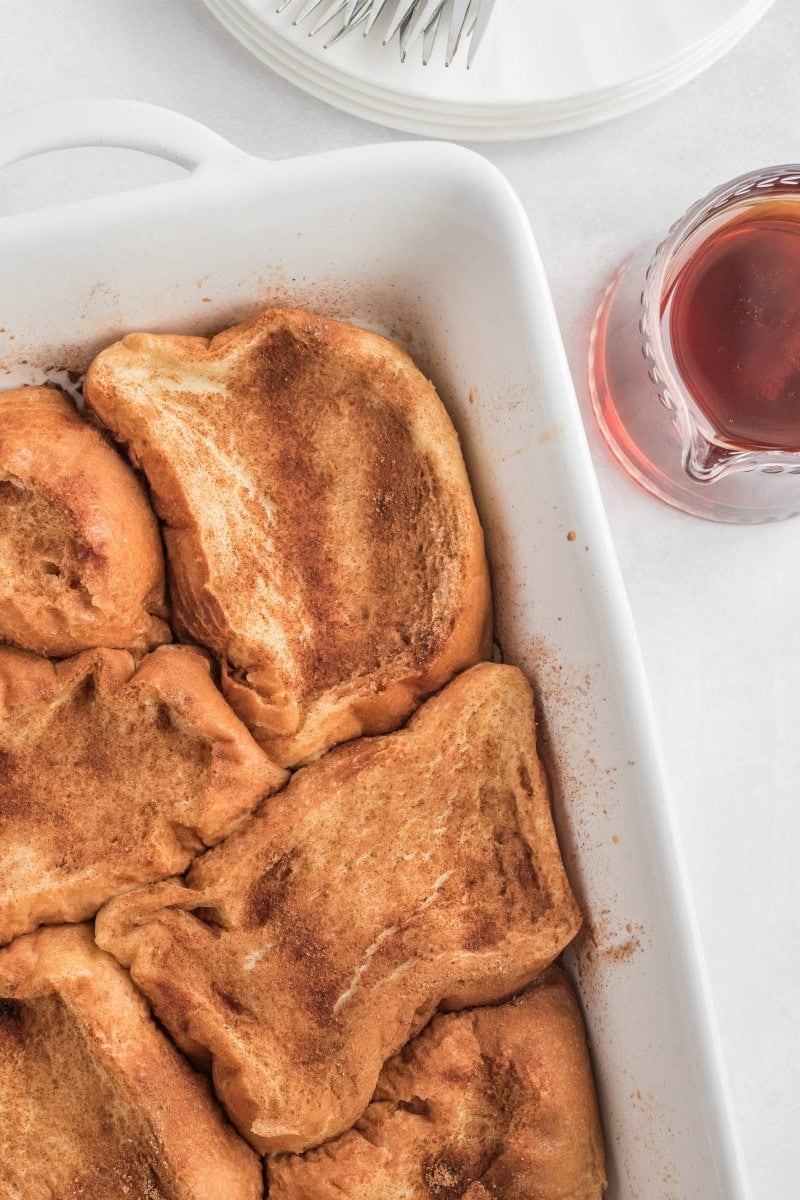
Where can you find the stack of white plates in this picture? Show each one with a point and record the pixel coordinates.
(544, 66)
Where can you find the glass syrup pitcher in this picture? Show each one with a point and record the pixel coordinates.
(695, 355)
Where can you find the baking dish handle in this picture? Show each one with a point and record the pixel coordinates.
(125, 124)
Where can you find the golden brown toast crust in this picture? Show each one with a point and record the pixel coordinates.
(113, 775)
(490, 1104)
(320, 530)
(81, 563)
(396, 875)
(95, 1103)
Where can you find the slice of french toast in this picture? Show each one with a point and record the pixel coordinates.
(81, 563)
(94, 1100)
(320, 530)
(113, 775)
(489, 1104)
(396, 875)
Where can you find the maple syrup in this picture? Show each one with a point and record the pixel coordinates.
(733, 321)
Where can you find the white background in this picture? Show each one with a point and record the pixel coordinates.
(716, 607)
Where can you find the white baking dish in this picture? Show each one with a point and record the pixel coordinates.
(428, 243)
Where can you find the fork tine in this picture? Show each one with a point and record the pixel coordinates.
(458, 19)
(283, 4)
(424, 13)
(360, 14)
(429, 37)
(405, 30)
(481, 21)
(375, 11)
(402, 40)
(402, 10)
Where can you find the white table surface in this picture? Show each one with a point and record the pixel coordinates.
(716, 607)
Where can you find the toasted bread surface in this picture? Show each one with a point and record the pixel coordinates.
(95, 1103)
(489, 1104)
(81, 563)
(113, 775)
(320, 530)
(397, 874)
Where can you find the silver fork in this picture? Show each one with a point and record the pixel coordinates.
(410, 19)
